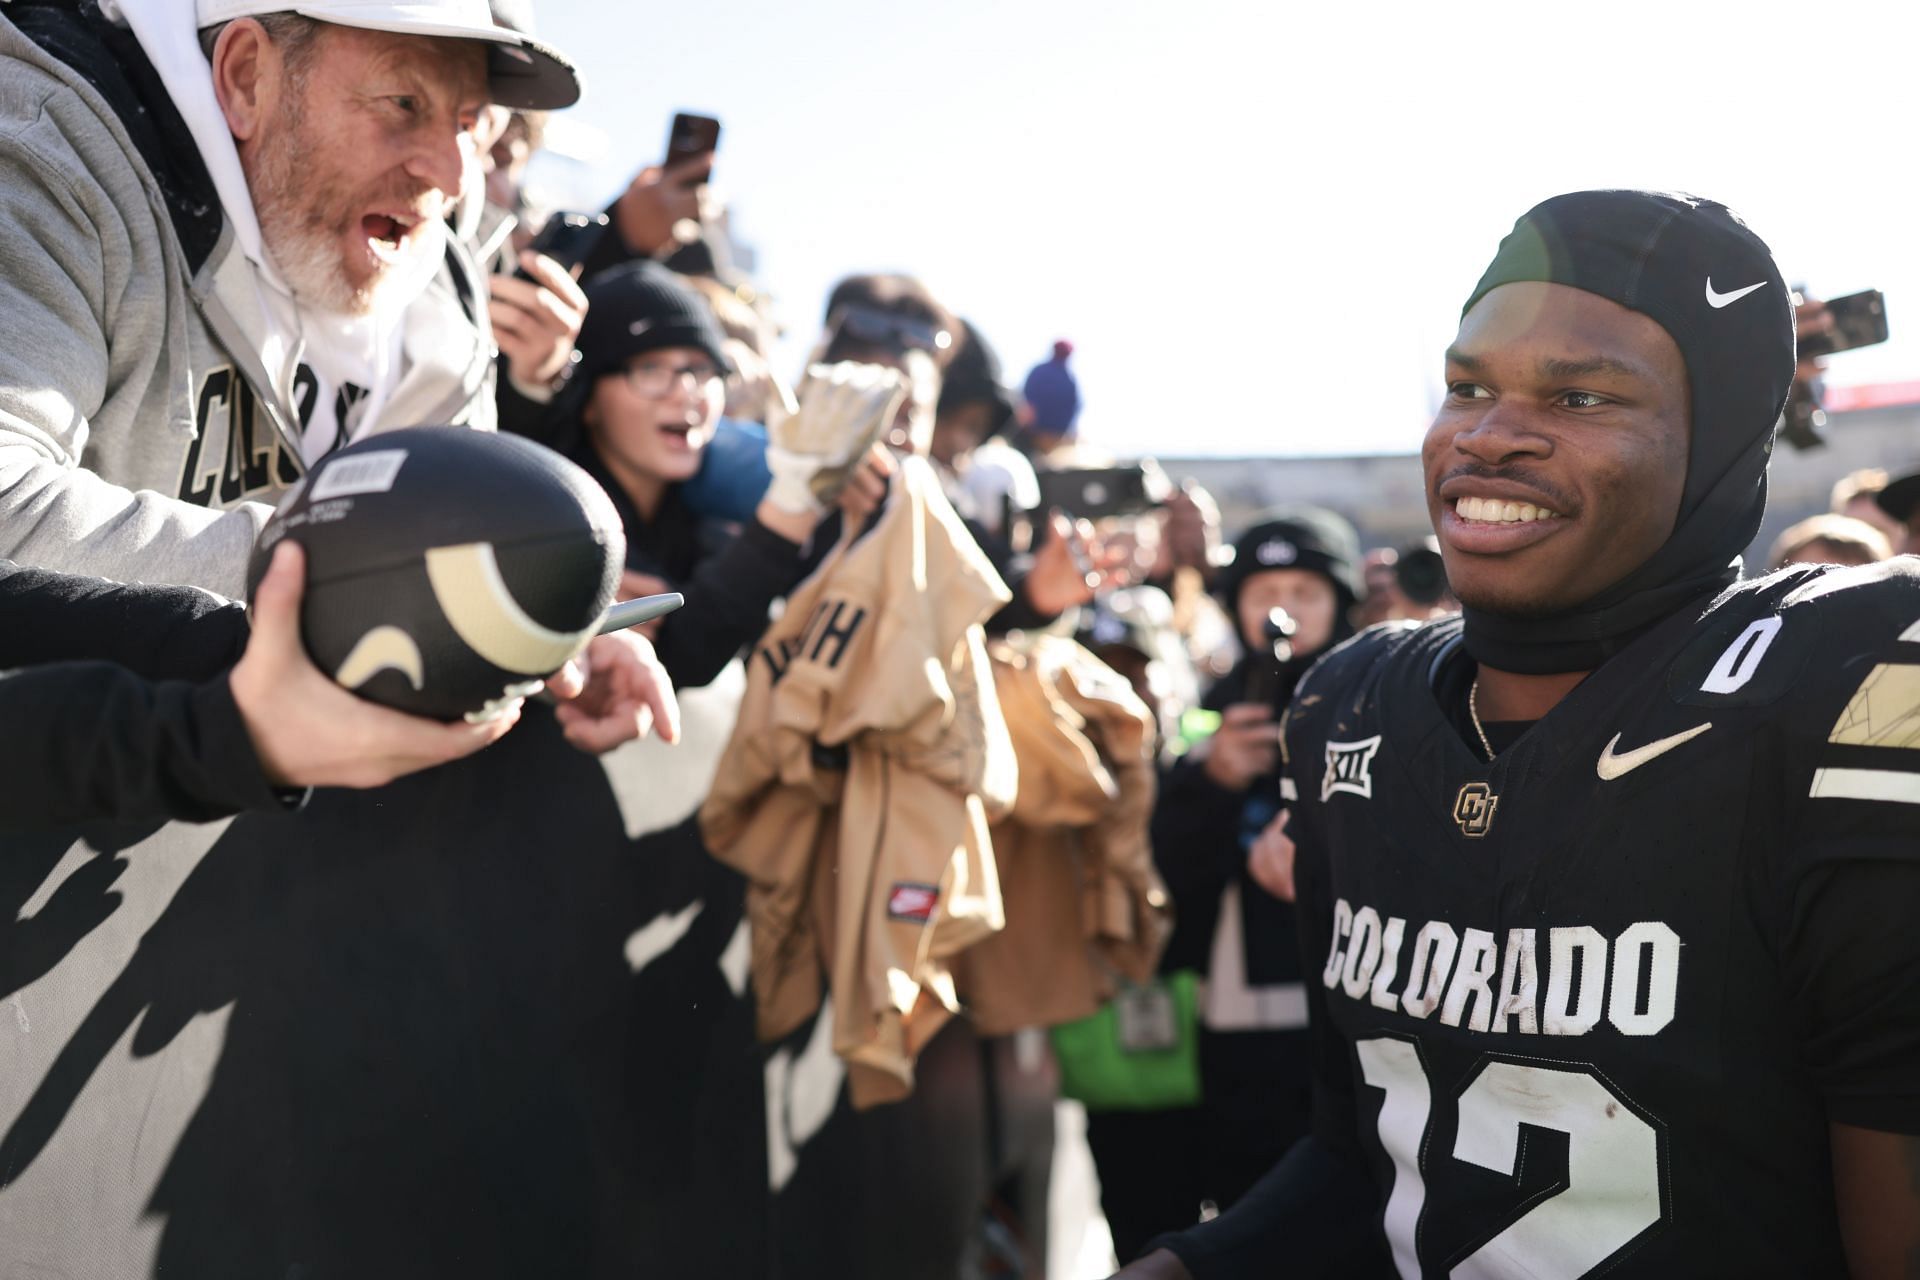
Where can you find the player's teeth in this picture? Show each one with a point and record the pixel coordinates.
(1494, 511)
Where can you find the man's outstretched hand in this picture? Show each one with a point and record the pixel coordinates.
(615, 692)
(308, 731)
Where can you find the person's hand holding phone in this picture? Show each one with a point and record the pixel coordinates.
(1190, 530)
(1244, 748)
(1809, 318)
(1072, 567)
(537, 320)
(658, 201)
(666, 204)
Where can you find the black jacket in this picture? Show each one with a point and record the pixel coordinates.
(730, 582)
(1201, 833)
(115, 703)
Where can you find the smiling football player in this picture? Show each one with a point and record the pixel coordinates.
(1609, 888)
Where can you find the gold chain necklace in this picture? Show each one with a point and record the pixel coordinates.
(1473, 713)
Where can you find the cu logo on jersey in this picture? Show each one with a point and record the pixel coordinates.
(1350, 768)
(1473, 809)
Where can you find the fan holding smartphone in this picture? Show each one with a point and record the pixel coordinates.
(1823, 329)
(663, 201)
(537, 311)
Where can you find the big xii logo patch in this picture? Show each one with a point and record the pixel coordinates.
(1473, 809)
(1350, 768)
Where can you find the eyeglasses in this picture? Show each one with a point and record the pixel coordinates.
(654, 378)
(855, 324)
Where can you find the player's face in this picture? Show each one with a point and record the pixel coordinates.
(1308, 598)
(1556, 464)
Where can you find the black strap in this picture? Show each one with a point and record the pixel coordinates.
(464, 285)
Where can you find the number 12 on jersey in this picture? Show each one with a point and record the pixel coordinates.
(1612, 1190)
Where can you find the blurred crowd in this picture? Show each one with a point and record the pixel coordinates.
(1193, 1068)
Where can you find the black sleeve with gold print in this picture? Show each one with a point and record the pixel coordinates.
(1843, 889)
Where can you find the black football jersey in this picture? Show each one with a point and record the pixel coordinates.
(1589, 1009)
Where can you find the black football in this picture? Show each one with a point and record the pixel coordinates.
(447, 567)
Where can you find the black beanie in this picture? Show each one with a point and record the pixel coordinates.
(639, 307)
(1694, 268)
(1303, 538)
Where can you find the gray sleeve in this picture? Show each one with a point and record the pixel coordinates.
(73, 319)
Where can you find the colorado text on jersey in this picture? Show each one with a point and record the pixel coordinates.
(1632, 978)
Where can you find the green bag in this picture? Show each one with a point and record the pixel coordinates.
(1140, 1052)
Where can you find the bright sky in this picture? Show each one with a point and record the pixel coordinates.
(1256, 222)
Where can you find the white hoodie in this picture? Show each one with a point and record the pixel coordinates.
(362, 353)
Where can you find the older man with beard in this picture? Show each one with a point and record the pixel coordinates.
(223, 254)
(383, 1035)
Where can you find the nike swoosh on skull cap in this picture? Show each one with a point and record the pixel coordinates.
(1718, 300)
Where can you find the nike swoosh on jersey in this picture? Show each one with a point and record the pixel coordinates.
(1611, 766)
(1718, 300)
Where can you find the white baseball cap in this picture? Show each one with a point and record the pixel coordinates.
(524, 73)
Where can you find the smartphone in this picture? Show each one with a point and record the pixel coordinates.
(691, 136)
(1098, 492)
(1859, 320)
(567, 238)
(1268, 661)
